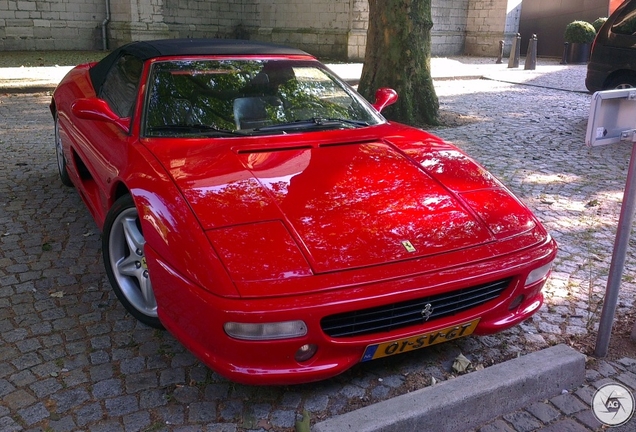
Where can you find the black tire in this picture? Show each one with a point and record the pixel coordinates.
(622, 81)
(123, 252)
(59, 154)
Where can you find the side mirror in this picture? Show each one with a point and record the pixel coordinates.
(98, 109)
(384, 97)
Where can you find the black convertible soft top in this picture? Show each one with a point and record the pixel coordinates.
(145, 50)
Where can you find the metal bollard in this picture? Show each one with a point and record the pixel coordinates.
(513, 61)
(501, 50)
(531, 56)
(564, 59)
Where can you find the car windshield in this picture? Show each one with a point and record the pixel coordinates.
(224, 98)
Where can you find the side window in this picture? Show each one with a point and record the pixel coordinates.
(120, 86)
(626, 23)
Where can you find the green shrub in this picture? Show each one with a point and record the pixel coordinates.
(598, 23)
(579, 32)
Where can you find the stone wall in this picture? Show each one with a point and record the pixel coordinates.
(333, 29)
(337, 29)
(51, 24)
(135, 20)
(485, 26)
(449, 26)
(206, 18)
(320, 27)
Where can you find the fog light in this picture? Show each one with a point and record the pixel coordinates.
(267, 331)
(539, 273)
(305, 352)
(516, 302)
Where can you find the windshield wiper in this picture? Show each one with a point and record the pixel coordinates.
(333, 120)
(314, 122)
(198, 130)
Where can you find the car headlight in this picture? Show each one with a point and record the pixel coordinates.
(538, 274)
(266, 331)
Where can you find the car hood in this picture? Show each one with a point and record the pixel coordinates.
(339, 205)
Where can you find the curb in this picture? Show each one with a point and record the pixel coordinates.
(548, 87)
(27, 89)
(470, 400)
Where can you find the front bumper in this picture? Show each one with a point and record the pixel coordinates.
(196, 317)
(595, 78)
(601, 66)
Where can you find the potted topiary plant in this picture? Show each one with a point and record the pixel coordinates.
(598, 23)
(579, 35)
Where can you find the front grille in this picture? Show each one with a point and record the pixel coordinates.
(398, 315)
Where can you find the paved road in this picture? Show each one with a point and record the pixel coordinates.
(72, 359)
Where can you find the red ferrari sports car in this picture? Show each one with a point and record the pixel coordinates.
(257, 207)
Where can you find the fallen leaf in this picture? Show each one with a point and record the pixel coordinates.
(592, 203)
(460, 364)
(303, 425)
(58, 294)
(264, 423)
(249, 422)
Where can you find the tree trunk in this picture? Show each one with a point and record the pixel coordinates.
(398, 55)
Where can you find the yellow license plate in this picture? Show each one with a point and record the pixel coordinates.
(386, 349)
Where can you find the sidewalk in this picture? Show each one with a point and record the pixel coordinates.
(31, 79)
(548, 74)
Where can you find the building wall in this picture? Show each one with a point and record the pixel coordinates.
(320, 27)
(203, 18)
(50, 24)
(450, 20)
(328, 28)
(485, 26)
(547, 19)
(135, 20)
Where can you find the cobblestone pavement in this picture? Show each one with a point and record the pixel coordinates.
(72, 359)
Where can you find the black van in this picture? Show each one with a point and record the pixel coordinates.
(613, 61)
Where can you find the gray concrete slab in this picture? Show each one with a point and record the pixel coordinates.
(470, 400)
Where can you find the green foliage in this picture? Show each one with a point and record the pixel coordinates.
(304, 424)
(579, 32)
(598, 23)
